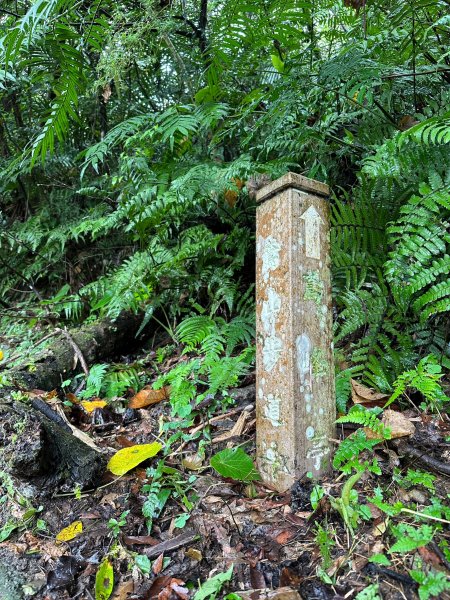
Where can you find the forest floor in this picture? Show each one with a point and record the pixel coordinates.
(217, 536)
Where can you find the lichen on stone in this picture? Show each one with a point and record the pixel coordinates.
(319, 363)
(313, 287)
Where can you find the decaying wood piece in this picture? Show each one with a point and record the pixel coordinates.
(95, 342)
(422, 455)
(294, 354)
(283, 593)
(169, 545)
(43, 450)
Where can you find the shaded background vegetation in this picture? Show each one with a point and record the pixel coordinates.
(131, 134)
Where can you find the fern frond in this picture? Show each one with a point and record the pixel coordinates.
(350, 448)
(194, 330)
(419, 262)
(435, 130)
(367, 418)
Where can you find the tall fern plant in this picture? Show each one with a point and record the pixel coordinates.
(391, 266)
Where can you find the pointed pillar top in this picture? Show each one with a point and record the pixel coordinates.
(292, 180)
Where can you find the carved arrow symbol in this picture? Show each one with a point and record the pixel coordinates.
(312, 221)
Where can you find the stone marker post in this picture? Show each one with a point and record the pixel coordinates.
(295, 404)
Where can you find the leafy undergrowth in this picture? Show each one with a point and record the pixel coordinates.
(182, 513)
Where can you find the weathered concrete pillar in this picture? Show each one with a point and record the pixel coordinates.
(294, 345)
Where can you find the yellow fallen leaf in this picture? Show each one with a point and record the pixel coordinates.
(70, 532)
(90, 405)
(380, 528)
(126, 459)
(1, 355)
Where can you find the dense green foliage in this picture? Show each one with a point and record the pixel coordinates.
(129, 133)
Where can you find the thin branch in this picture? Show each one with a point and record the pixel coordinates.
(29, 283)
(414, 54)
(179, 60)
(196, 31)
(76, 349)
(429, 72)
(9, 12)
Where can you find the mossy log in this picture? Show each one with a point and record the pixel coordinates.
(36, 444)
(96, 341)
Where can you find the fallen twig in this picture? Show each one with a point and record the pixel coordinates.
(429, 461)
(235, 411)
(173, 544)
(76, 349)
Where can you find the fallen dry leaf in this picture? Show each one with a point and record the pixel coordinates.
(180, 591)
(45, 547)
(193, 462)
(235, 431)
(72, 398)
(194, 554)
(172, 585)
(284, 537)
(148, 396)
(359, 563)
(140, 540)
(89, 515)
(378, 547)
(338, 563)
(429, 556)
(124, 441)
(158, 564)
(257, 580)
(375, 512)
(212, 500)
(157, 586)
(399, 425)
(364, 395)
(109, 499)
(290, 578)
(123, 591)
(282, 593)
(380, 528)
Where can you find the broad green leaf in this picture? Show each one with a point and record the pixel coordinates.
(104, 581)
(143, 563)
(380, 559)
(236, 464)
(181, 520)
(212, 586)
(126, 459)
(277, 63)
(6, 530)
